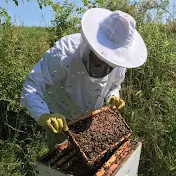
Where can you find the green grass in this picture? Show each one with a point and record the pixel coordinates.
(21, 139)
(149, 92)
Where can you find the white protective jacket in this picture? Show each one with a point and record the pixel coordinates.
(60, 83)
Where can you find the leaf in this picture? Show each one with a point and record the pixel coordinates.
(40, 5)
(173, 168)
(85, 2)
(16, 2)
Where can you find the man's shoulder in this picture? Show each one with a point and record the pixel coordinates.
(75, 36)
(69, 43)
(65, 48)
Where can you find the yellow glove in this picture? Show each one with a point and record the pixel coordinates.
(56, 122)
(116, 103)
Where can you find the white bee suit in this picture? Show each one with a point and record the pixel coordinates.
(60, 83)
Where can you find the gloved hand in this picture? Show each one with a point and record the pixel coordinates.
(116, 102)
(56, 122)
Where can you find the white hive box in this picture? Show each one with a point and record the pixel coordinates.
(123, 161)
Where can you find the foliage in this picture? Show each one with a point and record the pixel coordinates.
(65, 21)
(150, 95)
(21, 138)
(149, 91)
(4, 17)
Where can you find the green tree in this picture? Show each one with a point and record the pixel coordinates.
(5, 19)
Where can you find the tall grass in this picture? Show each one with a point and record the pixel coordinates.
(149, 92)
(21, 139)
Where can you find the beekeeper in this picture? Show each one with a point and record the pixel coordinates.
(82, 72)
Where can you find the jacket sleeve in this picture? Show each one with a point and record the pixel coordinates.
(44, 74)
(116, 86)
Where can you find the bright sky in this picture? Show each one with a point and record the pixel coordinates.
(29, 13)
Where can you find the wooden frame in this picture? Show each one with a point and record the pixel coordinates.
(78, 147)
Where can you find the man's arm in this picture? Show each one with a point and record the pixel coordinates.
(46, 72)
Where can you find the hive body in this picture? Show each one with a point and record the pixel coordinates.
(120, 156)
(125, 163)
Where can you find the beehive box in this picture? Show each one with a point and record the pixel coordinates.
(123, 161)
(98, 133)
(113, 152)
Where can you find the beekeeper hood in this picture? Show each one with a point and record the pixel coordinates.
(113, 38)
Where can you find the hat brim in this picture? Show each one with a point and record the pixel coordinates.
(132, 56)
